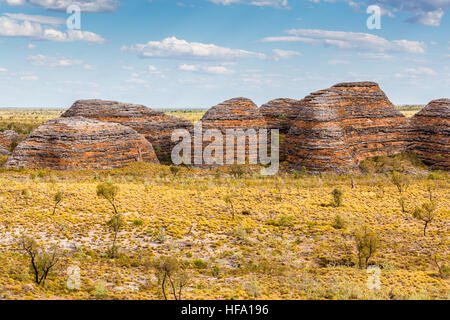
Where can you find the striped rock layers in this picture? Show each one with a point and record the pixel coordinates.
(239, 114)
(338, 127)
(156, 126)
(79, 143)
(279, 113)
(7, 139)
(431, 134)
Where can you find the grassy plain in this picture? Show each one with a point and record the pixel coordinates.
(286, 240)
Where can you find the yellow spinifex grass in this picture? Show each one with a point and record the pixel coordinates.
(283, 242)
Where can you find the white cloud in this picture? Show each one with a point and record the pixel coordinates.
(36, 18)
(61, 5)
(136, 81)
(350, 41)
(173, 48)
(29, 78)
(217, 70)
(426, 12)
(335, 62)
(431, 18)
(3, 69)
(205, 69)
(41, 60)
(187, 67)
(416, 72)
(259, 3)
(285, 54)
(33, 30)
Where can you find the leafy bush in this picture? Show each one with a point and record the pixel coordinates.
(366, 245)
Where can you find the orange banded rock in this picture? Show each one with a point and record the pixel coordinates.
(80, 143)
(156, 126)
(431, 134)
(279, 113)
(8, 138)
(235, 114)
(338, 127)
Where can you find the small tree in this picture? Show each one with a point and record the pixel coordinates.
(108, 191)
(425, 213)
(171, 276)
(401, 181)
(337, 197)
(444, 270)
(339, 222)
(229, 201)
(115, 224)
(41, 261)
(57, 198)
(366, 245)
(175, 170)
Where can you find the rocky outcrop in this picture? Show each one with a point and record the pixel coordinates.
(79, 143)
(4, 152)
(279, 113)
(338, 127)
(235, 114)
(156, 126)
(430, 134)
(8, 138)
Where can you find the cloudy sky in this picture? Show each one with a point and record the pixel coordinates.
(197, 53)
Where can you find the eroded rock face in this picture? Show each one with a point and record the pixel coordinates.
(235, 114)
(4, 152)
(279, 113)
(79, 143)
(8, 138)
(156, 126)
(430, 134)
(338, 127)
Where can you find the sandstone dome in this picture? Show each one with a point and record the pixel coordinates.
(278, 113)
(431, 134)
(338, 127)
(155, 126)
(235, 114)
(80, 143)
(7, 138)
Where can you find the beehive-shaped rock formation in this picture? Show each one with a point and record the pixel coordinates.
(279, 113)
(8, 138)
(234, 114)
(431, 134)
(4, 152)
(156, 126)
(338, 127)
(79, 143)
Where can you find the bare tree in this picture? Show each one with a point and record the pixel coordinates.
(171, 276)
(41, 261)
(425, 213)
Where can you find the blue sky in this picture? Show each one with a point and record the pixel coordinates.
(195, 54)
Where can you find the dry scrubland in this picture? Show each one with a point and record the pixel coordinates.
(234, 233)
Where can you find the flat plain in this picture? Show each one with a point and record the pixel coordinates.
(235, 233)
